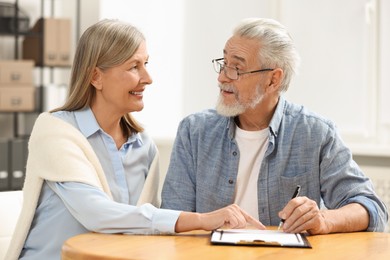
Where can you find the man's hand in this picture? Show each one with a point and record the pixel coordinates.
(302, 214)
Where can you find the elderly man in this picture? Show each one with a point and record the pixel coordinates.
(256, 147)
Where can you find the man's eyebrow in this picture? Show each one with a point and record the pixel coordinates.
(241, 59)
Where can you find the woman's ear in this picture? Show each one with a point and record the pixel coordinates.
(96, 80)
(276, 80)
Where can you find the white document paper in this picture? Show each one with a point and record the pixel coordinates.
(258, 237)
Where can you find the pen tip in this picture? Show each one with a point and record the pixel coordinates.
(280, 225)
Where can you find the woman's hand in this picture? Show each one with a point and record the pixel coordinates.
(231, 216)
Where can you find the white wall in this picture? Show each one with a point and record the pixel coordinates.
(163, 26)
(344, 75)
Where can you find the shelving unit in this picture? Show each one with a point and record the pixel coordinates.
(13, 151)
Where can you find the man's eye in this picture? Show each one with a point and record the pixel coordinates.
(236, 68)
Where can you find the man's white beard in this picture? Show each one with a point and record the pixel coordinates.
(237, 107)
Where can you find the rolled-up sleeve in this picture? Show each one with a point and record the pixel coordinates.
(377, 212)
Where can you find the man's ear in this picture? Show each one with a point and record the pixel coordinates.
(276, 80)
(96, 80)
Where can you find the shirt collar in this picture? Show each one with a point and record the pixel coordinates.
(277, 117)
(88, 126)
(274, 124)
(136, 139)
(231, 125)
(87, 122)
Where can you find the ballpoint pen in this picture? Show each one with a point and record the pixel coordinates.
(296, 193)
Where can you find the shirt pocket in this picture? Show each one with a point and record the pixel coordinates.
(309, 182)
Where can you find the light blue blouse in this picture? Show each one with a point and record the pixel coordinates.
(69, 208)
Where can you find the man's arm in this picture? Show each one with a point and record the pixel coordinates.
(179, 186)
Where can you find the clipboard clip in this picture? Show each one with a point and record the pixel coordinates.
(258, 242)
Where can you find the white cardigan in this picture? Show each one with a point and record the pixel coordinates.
(75, 161)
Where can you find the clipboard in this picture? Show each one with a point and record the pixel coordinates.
(249, 237)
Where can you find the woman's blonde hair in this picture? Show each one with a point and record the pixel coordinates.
(104, 45)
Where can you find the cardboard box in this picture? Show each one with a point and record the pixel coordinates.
(48, 44)
(17, 99)
(64, 42)
(16, 72)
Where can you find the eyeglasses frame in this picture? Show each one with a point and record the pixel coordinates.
(238, 73)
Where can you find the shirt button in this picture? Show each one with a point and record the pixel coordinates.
(231, 181)
(234, 153)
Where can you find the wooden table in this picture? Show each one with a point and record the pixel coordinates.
(196, 245)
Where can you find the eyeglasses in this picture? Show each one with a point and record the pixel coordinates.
(230, 72)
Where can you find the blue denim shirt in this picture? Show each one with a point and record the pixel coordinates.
(304, 149)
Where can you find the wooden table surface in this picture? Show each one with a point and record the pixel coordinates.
(196, 245)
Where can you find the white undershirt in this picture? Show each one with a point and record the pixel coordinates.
(252, 146)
